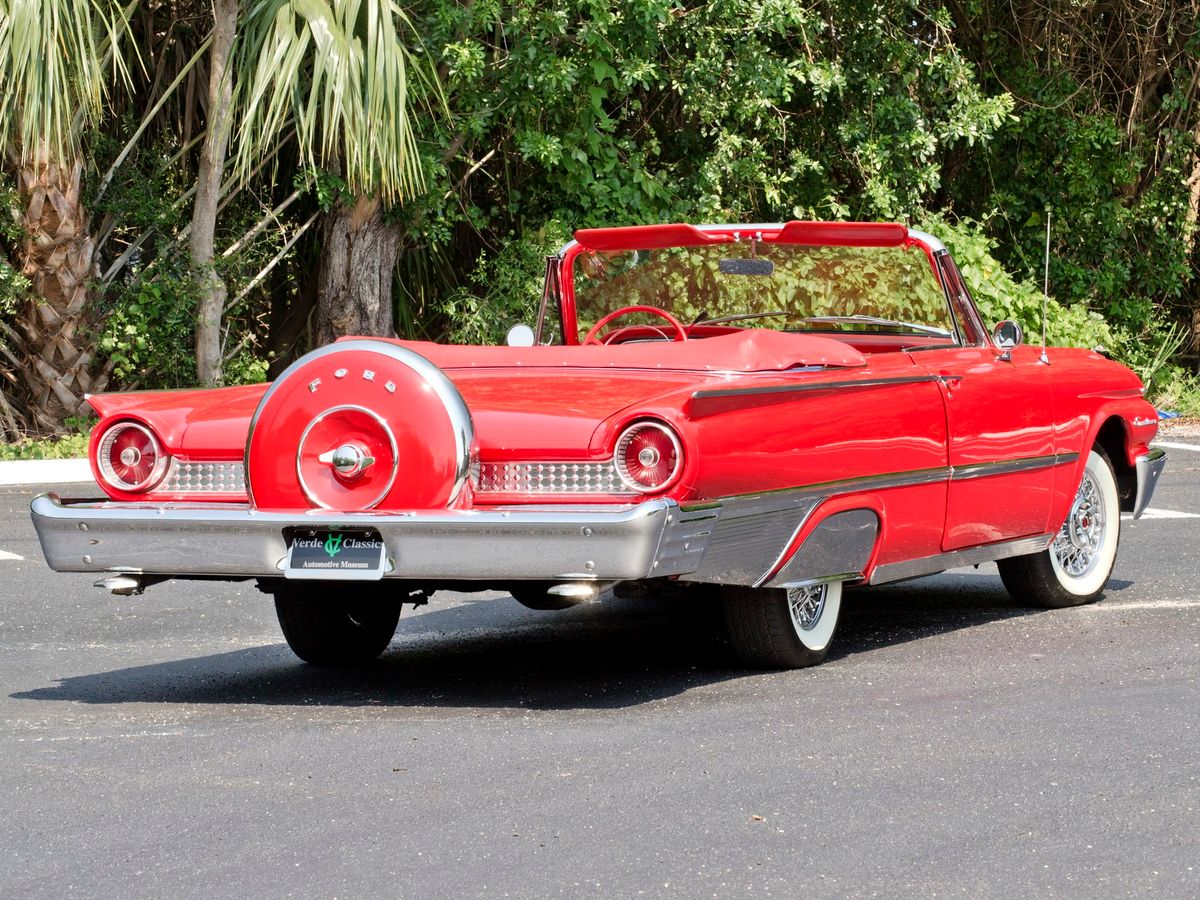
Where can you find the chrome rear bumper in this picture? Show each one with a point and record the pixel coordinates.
(225, 540)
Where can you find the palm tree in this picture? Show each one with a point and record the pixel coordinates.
(58, 59)
(338, 72)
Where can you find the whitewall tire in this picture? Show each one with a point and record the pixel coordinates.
(778, 628)
(1076, 567)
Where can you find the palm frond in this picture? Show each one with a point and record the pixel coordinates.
(342, 69)
(57, 63)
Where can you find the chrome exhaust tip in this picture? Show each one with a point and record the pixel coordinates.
(122, 585)
(576, 591)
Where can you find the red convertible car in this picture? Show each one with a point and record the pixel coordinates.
(761, 412)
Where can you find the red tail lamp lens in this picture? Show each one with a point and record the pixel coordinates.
(648, 456)
(130, 457)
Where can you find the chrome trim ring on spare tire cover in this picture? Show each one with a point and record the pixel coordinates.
(314, 495)
(456, 408)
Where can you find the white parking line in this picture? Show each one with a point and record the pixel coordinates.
(4, 554)
(1109, 606)
(1152, 513)
(1172, 445)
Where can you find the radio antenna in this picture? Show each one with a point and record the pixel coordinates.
(1046, 291)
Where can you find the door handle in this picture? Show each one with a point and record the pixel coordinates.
(950, 382)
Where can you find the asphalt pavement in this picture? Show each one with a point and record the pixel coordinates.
(953, 744)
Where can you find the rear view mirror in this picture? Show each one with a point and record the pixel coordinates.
(519, 336)
(1007, 334)
(747, 267)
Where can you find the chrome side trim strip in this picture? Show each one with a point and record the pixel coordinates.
(841, 486)
(1009, 466)
(747, 535)
(744, 530)
(1148, 466)
(809, 387)
(744, 537)
(968, 556)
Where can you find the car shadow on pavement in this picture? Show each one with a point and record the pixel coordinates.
(494, 654)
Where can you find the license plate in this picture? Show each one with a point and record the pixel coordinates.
(336, 555)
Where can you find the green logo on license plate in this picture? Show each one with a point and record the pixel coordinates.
(333, 545)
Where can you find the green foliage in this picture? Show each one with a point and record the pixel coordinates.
(146, 314)
(1178, 390)
(327, 186)
(1109, 249)
(504, 289)
(246, 368)
(14, 287)
(740, 109)
(1001, 296)
(575, 113)
(72, 445)
(148, 337)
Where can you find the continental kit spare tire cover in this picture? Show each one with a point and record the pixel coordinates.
(357, 425)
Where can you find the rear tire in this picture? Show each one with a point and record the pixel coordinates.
(1075, 569)
(778, 628)
(337, 624)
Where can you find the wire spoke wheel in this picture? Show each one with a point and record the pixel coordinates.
(1075, 568)
(806, 605)
(1077, 546)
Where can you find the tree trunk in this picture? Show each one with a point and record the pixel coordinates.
(57, 256)
(292, 303)
(211, 305)
(358, 258)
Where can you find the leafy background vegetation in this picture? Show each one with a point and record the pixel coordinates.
(972, 119)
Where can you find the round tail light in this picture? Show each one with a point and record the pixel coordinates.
(648, 457)
(130, 457)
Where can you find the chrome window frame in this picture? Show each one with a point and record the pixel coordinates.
(936, 252)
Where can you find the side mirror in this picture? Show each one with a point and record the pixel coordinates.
(1005, 336)
(519, 336)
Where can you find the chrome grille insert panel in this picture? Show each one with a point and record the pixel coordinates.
(550, 478)
(185, 477)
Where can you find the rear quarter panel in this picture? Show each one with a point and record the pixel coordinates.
(780, 441)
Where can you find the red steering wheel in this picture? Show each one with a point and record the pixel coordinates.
(680, 331)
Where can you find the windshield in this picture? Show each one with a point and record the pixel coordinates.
(792, 287)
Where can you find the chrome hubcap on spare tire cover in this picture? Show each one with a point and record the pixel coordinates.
(357, 423)
(347, 460)
(1078, 542)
